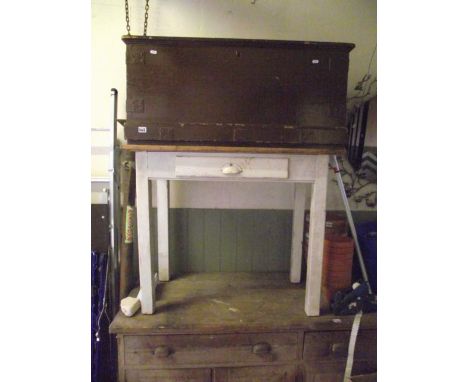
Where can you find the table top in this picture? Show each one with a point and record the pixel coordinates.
(318, 150)
(230, 302)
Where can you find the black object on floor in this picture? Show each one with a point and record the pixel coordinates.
(351, 301)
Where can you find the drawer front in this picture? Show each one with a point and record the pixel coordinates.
(231, 167)
(184, 375)
(333, 346)
(286, 373)
(194, 350)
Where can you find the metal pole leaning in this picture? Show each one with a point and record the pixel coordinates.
(339, 179)
(114, 202)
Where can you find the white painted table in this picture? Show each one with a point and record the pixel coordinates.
(227, 164)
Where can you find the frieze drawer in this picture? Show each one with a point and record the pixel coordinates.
(160, 351)
(231, 167)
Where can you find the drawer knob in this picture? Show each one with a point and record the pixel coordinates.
(339, 349)
(261, 348)
(231, 169)
(162, 351)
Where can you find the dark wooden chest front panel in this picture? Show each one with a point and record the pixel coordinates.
(161, 351)
(181, 375)
(326, 352)
(236, 91)
(333, 346)
(285, 373)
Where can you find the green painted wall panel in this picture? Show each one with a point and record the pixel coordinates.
(215, 240)
(246, 239)
(212, 236)
(228, 241)
(195, 254)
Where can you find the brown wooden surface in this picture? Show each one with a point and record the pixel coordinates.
(333, 346)
(183, 375)
(285, 373)
(230, 303)
(236, 91)
(365, 378)
(325, 150)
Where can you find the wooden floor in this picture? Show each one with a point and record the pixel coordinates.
(230, 302)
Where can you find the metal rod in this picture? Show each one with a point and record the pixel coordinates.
(114, 203)
(351, 221)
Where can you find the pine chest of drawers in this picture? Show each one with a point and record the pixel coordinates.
(238, 328)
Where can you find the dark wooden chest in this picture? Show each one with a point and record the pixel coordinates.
(236, 92)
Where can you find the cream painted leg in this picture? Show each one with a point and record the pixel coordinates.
(316, 236)
(297, 232)
(144, 242)
(163, 229)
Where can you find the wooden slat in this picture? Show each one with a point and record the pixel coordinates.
(284, 373)
(261, 249)
(228, 241)
(196, 244)
(322, 150)
(212, 225)
(276, 246)
(246, 239)
(183, 375)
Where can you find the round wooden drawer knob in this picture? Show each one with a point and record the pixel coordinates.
(162, 351)
(261, 348)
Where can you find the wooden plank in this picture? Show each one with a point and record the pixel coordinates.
(195, 241)
(162, 195)
(319, 150)
(298, 232)
(276, 249)
(120, 358)
(181, 375)
(145, 261)
(285, 243)
(316, 236)
(283, 373)
(246, 239)
(178, 239)
(212, 225)
(261, 250)
(228, 241)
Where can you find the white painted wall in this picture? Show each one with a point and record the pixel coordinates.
(352, 21)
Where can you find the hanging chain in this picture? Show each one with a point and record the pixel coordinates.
(127, 17)
(146, 17)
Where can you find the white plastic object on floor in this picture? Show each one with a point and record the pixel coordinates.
(130, 305)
